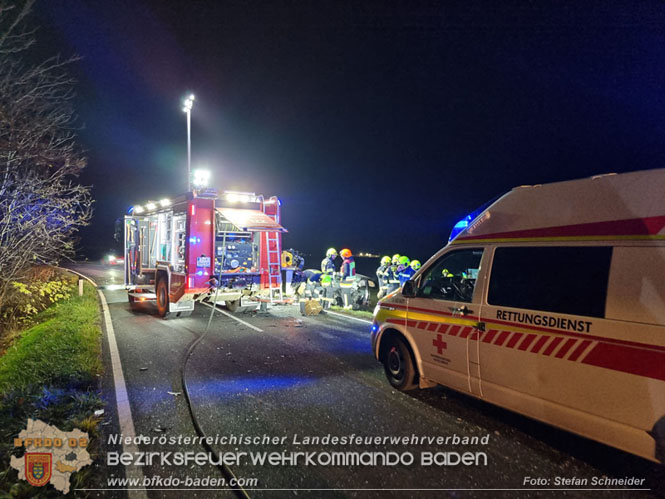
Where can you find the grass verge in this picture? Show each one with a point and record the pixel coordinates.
(51, 373)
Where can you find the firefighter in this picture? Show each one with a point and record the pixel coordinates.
(406, 274)
(347, 277)
(392, 275)
(318, 286)
(403, 269)
(382, 276)
(328, 263)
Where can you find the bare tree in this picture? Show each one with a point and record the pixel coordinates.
(41, 203)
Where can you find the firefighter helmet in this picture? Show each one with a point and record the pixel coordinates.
(331, 252)
(415, 264)
(345, 253)
(385, 260)
(404, 260)
(395, 259)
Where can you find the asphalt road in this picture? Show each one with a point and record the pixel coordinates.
(315, 376)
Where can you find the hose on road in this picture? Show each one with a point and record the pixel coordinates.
(226, 471)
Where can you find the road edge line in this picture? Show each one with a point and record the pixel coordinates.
(125, 420)
(80, 275)
(364, 321)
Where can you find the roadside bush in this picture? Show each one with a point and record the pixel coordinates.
(40, 288)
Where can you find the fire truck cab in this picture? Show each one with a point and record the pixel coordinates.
(179, 250)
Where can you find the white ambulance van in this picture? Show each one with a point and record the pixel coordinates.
(551, 303)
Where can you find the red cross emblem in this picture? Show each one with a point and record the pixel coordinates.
(439, 344)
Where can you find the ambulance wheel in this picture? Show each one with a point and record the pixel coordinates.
(162, 292)
(232, 305)
(398, 365)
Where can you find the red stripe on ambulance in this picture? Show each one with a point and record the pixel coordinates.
(527, 341)
(564, 349)
(629, 360)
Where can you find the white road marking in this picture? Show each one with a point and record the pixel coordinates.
(80, 275)
(365, 321)
(233, 317)
(124, 411)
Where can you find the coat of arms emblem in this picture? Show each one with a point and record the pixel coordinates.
(37, 468)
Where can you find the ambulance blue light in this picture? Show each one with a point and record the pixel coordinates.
(466, 221)
(460, 226)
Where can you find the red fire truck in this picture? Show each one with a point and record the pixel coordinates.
(179, 250)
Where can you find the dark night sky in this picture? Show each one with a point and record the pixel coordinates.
(378, 124)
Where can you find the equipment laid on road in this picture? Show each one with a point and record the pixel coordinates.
(549, 302)
(178, 250)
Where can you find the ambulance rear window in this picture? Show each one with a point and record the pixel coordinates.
(565, 280)
(636, 290)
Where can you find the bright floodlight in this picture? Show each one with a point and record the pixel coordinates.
(165, 202)
(237, 198)
(189, 102)
(151, 205)
(200, 178)
(138, 209)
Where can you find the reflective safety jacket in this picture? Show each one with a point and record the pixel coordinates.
(316, 277)
(392, 276)
(382, 275)
(328, 266)
(348, 269)
(405, 275)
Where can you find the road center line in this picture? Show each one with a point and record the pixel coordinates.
(364, 321)
(233, 317)
(124, 411)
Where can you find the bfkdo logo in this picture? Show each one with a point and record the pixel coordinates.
(38, 468)
(51, 455)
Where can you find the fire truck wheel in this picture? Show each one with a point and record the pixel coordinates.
(398, 365)
(232, 305)
(162, 297)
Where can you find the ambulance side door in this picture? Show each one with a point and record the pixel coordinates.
(444, 313)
